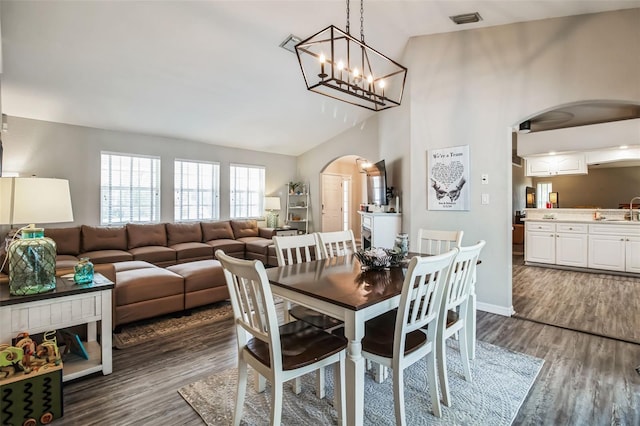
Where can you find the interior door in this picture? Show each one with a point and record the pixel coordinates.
(331, 202)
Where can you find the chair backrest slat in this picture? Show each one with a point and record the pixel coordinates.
(337, 243)
(462, 275)
(252, 301)
(297, 249)
(421, 298)
(436, 242)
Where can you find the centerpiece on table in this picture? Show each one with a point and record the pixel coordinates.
(379, 258)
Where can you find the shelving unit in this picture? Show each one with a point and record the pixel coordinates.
(298, 212)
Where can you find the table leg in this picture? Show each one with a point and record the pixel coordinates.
(354, 331)
(105, 330)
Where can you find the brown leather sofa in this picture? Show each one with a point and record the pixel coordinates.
(162, 268)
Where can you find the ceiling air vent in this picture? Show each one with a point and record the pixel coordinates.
(290, 43)
(466, 18)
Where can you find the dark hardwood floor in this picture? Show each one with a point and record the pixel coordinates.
(586, 380)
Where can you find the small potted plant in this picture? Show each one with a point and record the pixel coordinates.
(293, 186)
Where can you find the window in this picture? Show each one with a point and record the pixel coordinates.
(247, 191)
(129, 189)
(197, 190)
(542, 194)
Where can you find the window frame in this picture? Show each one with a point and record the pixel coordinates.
(155, 203)
(260, 193)
(179, 191)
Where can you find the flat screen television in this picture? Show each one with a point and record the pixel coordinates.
(377, 184)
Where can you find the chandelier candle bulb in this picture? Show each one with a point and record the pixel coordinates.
(322, 61)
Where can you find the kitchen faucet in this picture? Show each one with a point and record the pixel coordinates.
(631, 208)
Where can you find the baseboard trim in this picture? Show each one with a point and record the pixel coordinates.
(495, 309)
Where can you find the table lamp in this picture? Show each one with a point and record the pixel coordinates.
(32, 258)
(271, 204)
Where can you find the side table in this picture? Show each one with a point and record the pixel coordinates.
(68, 305)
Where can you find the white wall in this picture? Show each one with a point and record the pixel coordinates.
(360, 140)
(72, 152)
(472, 87)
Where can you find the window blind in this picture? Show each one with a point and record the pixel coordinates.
(246, 191)
(197, 190)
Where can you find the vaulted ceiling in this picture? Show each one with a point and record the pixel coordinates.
(212, 71)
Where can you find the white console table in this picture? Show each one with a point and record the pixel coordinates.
(68, 305)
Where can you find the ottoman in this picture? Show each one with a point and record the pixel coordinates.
(144, 291)
(204, 282)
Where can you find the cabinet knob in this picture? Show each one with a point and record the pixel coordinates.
(551, 235)
(570, 229)
(622, 239)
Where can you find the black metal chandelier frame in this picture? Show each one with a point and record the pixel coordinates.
(351, 71)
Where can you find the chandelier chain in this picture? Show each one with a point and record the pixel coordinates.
(348, 17)
(362, 20)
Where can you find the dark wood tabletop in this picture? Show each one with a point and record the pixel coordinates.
(340, 280)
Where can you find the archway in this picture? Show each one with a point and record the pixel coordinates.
(343, 189)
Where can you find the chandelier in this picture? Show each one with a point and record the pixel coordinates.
(337, 65)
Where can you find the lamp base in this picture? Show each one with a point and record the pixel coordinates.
(272, 220)
(32, 266)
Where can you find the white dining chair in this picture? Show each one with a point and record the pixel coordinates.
(405, 336)
(298, 249)
(454, 312)
(337, 243)
(431, 241)
(278, 353)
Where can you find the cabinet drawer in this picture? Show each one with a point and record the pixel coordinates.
(580, 228)
(367, 221)
(540, 226)
(607, 229)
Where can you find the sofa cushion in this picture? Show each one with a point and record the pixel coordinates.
(107, 256)
(67, 239)
(132, 264)
(103, 238)
(183, 233)
(65, 262)
(216, 230)
(187, 252)
(139, 285)
(245, 228)
(142, 235)
(231, 247)
(256, 245)
(158, 255)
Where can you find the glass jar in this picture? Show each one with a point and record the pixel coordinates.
(401, 244)
(83, 271)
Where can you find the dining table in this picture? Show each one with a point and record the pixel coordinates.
(340, 288)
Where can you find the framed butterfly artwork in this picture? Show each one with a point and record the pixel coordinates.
(448, 178)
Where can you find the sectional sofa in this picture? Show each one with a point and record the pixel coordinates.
(161, 268)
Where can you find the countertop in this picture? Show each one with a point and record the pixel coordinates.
(594, 221)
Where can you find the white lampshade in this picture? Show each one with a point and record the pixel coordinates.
(34, 200)
(272, 203)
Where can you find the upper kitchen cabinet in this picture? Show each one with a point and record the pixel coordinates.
(551, 165)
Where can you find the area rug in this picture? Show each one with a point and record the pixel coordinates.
(596, 303)
(501, 382)
(144, 331)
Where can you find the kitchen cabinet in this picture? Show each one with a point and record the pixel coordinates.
(614, 247)
(551, 165)
(556, 243)
(572, 244)
(540, 242)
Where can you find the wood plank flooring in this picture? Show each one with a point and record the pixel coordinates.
(600, 303)
(586, 380)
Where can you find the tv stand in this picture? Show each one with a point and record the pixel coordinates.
(379, 229)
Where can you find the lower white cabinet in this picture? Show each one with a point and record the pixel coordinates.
(540, 242)
(607, 252)
(556, 243)
(615, 247)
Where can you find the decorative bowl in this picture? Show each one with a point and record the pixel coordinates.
(378, 258)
